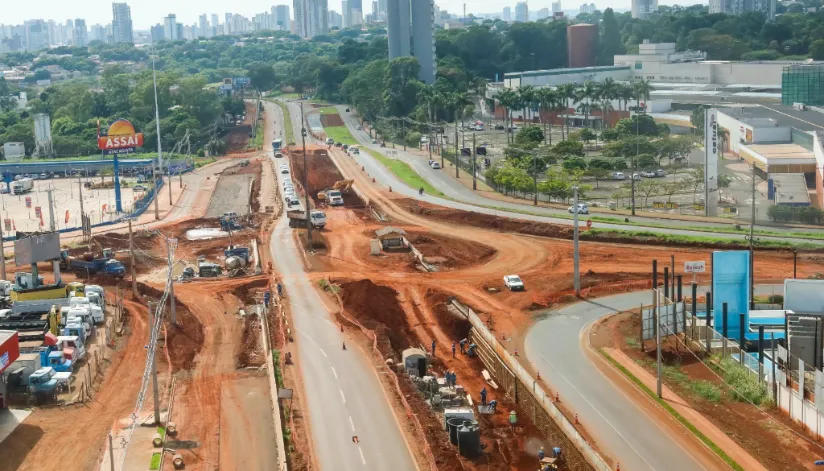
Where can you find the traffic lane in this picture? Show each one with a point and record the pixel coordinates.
(453, 189)
(619, 426)
(345, 382)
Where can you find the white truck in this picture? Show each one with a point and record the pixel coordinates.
(72, 346)
(82, 302)
(335, 197)
(298, 218)
(24, 185)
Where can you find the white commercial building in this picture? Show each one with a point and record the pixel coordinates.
(170, 28)
(644, 8)
(122, 23)
(521, 12)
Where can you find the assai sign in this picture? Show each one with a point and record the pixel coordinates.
(120, 139)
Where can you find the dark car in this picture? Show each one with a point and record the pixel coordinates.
(347, 110)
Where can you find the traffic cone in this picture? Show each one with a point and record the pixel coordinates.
(576, 414)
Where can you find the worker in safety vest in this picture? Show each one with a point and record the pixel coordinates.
(513, 419)
(541, 454)
(483, 396)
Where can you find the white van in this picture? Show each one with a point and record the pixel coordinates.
(618, 176)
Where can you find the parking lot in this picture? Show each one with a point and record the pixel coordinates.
(99, 204)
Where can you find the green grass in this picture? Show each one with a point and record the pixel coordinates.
(328, 287)
(401, 169)
(709, 443)
(689, 239)
(162, 432)
(328, 110)
(745, 385)
(697, 388)
(202, 161)
(288, 132)
(257, 141)
(155, 464)
(631, 342)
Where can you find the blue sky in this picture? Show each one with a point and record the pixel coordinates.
(149, 12)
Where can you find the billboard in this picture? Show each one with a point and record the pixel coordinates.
(37, 248)
(731, 285)
(121, 138)
(804, 296)
(711, 162)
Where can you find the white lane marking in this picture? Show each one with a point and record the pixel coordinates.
(597, 411)
(351, 423)
(361, 455)
(334, 372)
(342, 396)
(324, 353)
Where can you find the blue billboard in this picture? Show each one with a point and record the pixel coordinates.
(731, 285)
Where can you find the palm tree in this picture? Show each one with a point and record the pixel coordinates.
(527, 94)
(547, 99)
(608, 91)
(588, 92)
(508, 99)
(626, 92)
(642, 90)
(566, 92)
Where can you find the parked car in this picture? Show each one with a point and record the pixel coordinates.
(618, 176)
(514, 283)
(284, 170)
(329, 141)
(499, 127)
(582, 209)
(374, 141)
(139, 188)
(636, 177)
(660, 172)
(648, 174)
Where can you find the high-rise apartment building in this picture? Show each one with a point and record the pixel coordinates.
(158, 33)
(410, 24)
(98, 33)
(203, 29)
(507, 16)
(216, 31)
(556, 7)
(311, 17)
(122, 23)
(170, 27)
(739, 7)
(281, 13)
(521, 12)
(335, 19)
(37, 35)
(227, 24)
(644, 8)
(81, 33)
(542, 14)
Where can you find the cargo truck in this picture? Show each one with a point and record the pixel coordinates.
(24, 185)
(298, 219)
(109, 267)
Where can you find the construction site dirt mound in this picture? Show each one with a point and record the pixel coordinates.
(251, 350)
(183, 339)
(328, 120)
(237, 138)
(377, 308)
(449, 251)
(451, 323)
(323, 174)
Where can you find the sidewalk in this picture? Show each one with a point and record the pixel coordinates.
(724, 442)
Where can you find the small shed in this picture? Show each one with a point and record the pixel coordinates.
(414, 360)
(391, 237)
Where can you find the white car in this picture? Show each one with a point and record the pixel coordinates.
(636, 177)
(582, 209)
(648, 174)
(436, 165)
(660, 172)
(514, 283)
(618, 176)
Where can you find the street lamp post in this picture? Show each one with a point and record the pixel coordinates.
(306, 181)
(576, 256)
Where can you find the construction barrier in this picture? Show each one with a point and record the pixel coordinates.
(534, 401)
(273, 387)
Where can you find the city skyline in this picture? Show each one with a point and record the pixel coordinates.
(148, 13)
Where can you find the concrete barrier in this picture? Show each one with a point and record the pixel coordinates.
(273, 388)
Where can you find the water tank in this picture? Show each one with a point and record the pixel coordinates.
(469, 440)
(234, 262)
(14, 151)
(452, 426)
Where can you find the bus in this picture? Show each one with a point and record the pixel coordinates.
(277, 144)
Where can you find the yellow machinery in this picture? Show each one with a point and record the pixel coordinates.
(75, 286)
(41, 292)
(344, 185)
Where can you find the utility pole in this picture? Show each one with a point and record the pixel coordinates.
(172, 243)
(474, 160)
(306, 180)
(154, 366)
(752, 240)
(80, 195)
(157, 193)
(2, 253)
(457, 174)
(131, 256)
(111, 452)
(52, 227)
(657, 315)
(576, 280)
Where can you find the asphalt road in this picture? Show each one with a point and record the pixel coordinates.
(454, 190)
(556, 347)
(344, 395)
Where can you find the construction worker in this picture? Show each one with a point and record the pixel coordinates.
(420, 191)
(453, 349)
(280, 290)
(433, 348)
(541, 454)
(556, 452)
(463, 346)
(493, 406)
(513, 419)
(344, 344)
(483, 396)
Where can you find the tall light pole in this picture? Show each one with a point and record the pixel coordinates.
(576, 273)
(159, 146)
(306, 180)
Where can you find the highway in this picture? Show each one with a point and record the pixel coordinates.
(456, 192)
(343, 394)
(556, 347)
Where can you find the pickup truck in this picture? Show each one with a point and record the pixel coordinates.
(108, 266)
(298, 219)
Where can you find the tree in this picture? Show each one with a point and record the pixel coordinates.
(695, 180)
(566, 92)
(600, 163)
(724, 182)
(697, 118)
(529, 137)
(817, 49)
(566, 149)
(675, 148)
(508, 99)
(588, 135)
(598, 174)
(629, 147)
(262, 77)
(610, 42)
(607, 91)
(647, 188)
(575, 163)
(642, 124)
(527, 95)
(642, 90)
(402, 85)
(646, 161)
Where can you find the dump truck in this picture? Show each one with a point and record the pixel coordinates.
(50, 356)
(107, 266)
(298, 218)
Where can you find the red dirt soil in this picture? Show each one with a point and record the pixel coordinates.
(328, 120)
(455, 252)
(322, 175)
